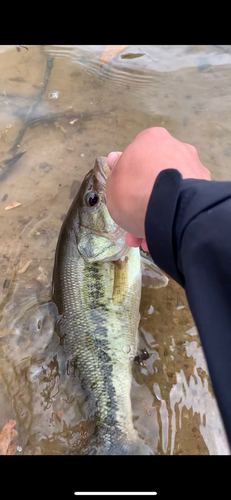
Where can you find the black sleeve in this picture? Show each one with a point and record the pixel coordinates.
(188, 232)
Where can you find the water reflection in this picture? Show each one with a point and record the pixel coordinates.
(57, 123)
(174, 406)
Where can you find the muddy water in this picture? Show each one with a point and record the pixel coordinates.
(61, 108)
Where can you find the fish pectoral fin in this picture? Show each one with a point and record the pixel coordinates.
(152, 276)
(120, 281)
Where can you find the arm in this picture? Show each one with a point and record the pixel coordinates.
(189, 237)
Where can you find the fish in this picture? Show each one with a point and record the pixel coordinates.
(96, 287)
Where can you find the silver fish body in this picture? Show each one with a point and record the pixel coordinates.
(97, 289)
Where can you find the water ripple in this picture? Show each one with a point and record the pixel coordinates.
(156, 58)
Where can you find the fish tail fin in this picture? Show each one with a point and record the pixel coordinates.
(136, 448)
(110, 444)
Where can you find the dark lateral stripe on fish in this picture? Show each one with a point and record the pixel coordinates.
(100, 339)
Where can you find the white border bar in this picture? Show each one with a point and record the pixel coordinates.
(115, 493)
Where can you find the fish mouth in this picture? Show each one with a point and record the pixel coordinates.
(101, 169)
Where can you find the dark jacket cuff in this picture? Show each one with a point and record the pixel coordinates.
(174, 203)
(159, 221)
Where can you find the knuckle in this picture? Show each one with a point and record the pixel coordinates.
(161, 130)
(192, 148)
(154, 131)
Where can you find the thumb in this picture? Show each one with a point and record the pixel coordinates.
(113, 158)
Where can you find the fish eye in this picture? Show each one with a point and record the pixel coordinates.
(91, 199)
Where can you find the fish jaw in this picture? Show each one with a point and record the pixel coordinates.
(101, 170)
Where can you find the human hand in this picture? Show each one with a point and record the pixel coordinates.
(133, 173)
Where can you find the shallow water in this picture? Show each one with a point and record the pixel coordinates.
(63, 107)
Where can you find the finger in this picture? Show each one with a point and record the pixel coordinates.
(144, 246)
(132, 241)
(113, 158)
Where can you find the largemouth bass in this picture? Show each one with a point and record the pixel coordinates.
(97, 290)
